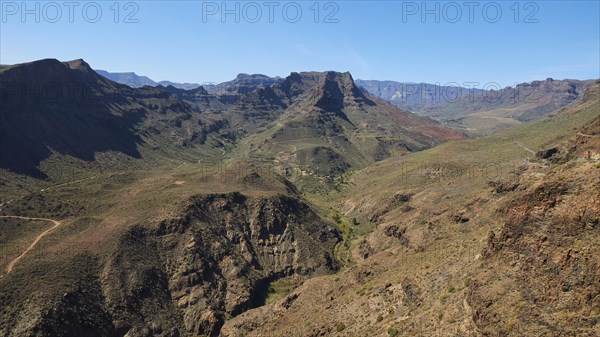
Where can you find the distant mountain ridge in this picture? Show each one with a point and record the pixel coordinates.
(481, 111)
(137, 81)
(416, 96)
(469, 108)
(429, 99)
(228, 92)
(528, 101)
(242, 84)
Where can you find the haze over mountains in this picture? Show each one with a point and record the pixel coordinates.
(300, 206)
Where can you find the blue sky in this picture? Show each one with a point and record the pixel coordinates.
(188, 41)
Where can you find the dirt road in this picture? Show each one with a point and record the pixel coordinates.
(55, 223)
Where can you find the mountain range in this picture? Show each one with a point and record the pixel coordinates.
(136, 81)
(325, 110)
(473, 109)
(300, 206)
(481, 111)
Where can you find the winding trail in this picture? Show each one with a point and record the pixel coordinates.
(11, 265)
(5, 203)
(525, 148)
(67, 183)
(584, 135)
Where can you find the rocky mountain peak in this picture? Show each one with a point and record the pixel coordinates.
(337, 90)
(78, 64)
(329, 90)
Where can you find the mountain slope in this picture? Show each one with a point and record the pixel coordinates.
(329, 120)
(546, 248)
(168, 261)
(67, 108)
(49, 105)
(324, 113)
(428, 264)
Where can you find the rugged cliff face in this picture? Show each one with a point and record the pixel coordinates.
(217, 255)
(211, 259)
(224, 249)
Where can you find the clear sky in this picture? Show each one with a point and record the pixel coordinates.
(190, 41)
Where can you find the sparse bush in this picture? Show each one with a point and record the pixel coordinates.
(379, 318)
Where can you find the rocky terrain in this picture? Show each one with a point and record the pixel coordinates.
(209, 258)
(302, 206)
(463, 254)
(332, 124)
(216, 259)
(546, 250)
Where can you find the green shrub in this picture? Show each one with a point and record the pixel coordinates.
(393, 332)
(337, 217)
(340, 327)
